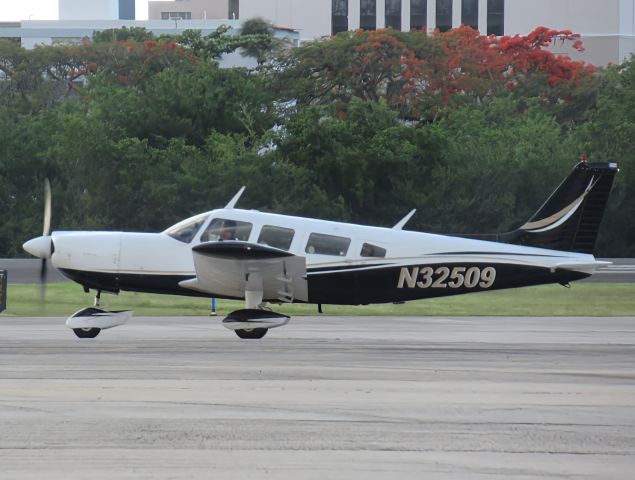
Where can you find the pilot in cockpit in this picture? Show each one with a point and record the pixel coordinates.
(228, 231)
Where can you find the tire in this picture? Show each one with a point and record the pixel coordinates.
(254, 334)
(86, 332)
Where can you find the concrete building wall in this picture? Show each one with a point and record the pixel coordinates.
(311, 18)
(583, 16)
(199, 9)
(607, 26)
(598, 50)
(88, 9)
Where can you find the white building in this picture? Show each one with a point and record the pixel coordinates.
(31, 33)
(88, 9)
(607, 26)
(96, 9)
(193, 9)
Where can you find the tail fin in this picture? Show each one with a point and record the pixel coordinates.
(570, 218)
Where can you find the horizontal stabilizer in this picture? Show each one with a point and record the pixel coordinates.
(589, 267)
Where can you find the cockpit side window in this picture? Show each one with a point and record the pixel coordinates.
(224, 229)
(185, 232)
(327, 244)
(277, 237)
(370, 250)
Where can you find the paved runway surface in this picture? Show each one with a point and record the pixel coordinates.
(371, 398)
(28, 270)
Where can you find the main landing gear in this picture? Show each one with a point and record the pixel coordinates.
(254, 323)
(89, 322)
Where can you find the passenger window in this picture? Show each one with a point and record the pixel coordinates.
(187, 231)
(222, 229)
(369, 250)
(327, 244)
(277, 237)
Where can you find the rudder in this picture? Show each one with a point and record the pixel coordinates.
(570, 218)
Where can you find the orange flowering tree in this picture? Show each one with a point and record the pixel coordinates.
(413, 69)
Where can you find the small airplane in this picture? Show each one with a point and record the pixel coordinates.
(268, 258)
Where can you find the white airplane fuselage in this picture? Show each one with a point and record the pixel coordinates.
(403, 265)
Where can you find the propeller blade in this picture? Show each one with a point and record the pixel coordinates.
(47, 208)
(43, 269)
(46, 231)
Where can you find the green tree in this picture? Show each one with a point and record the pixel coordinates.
(608, 135)
(362, 162)
(257, 39)
(123, 34)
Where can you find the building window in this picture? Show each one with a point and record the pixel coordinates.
(496, 17)
(368, 14)
(418, 14)
(176, 15)
(126, 9)
(339, 17)
(469, 13)
(393, 14)
(234, 9)
(444, 15)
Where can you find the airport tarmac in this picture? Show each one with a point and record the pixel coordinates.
(322, 398)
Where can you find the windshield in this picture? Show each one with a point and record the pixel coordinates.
(186, 230)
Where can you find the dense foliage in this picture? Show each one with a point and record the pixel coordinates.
(137, 132)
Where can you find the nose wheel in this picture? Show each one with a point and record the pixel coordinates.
(89, 322)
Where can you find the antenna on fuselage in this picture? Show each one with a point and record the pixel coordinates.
(404, 220)
(233, 201)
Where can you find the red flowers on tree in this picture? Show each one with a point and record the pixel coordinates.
(409, 69)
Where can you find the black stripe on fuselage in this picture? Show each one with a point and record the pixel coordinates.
(348, 287)
(382, 285)
(133, 282)
(339, 268)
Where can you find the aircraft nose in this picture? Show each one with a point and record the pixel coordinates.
(39, 247)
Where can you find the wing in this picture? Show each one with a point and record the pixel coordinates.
(232, 268)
